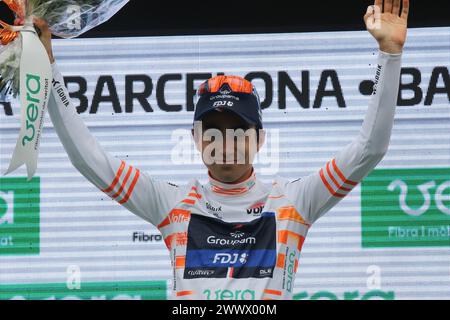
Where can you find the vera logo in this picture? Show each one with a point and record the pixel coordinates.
(6, 207)
(426, 194)
(136, 290)
(33, 85)
(19, 216)
(290, 266)
(406, 208)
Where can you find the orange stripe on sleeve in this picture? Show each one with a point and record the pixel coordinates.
(345, 189)
(330, 189)
(330, 174)
(122, 185)
(339, 195)
(130, 189)
(341, 175)
(336, 183)
(116, 178)
(325, 182)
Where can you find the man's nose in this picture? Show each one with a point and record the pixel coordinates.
(229, 145)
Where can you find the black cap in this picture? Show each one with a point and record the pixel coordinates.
(245, 105)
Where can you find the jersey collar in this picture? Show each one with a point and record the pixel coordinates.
(230, 189)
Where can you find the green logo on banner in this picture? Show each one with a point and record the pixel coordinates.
(406, 208)
(348, 295)
(19, 216)
(137, 290)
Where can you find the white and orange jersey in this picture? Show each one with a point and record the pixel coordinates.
(233, 241)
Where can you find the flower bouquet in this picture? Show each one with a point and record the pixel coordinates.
(25, 69)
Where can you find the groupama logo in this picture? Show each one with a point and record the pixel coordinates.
(19, 216)
(406, 208)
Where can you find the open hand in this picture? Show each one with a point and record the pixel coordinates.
(387, 24)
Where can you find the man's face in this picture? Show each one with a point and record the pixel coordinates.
(228, 144)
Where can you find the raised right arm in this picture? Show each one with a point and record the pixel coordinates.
(148, 198)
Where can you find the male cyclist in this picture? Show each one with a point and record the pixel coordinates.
(217, 250)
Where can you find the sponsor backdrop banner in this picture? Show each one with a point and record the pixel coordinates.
(60, 237)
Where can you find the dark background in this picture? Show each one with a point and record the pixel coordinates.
(152, 17)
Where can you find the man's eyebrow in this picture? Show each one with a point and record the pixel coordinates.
(240, 126)
(232, 127)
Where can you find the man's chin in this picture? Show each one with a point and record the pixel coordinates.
(228, 166)
(228, 172)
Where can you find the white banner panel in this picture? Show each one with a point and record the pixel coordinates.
(61, 237)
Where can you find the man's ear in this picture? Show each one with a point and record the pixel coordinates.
(262, 138)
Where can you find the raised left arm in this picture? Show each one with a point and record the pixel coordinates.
(317, 193)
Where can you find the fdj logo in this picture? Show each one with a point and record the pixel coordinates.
(19, 216)
(406, 208)
(230, 258)
(223, 104)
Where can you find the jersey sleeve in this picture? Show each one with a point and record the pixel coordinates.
(144, 196)
(318, 192)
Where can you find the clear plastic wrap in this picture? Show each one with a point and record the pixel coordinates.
(9, 70)
(71, 18)
(66, 19)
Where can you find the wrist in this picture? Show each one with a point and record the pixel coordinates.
(51, 58)
(390, 47)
